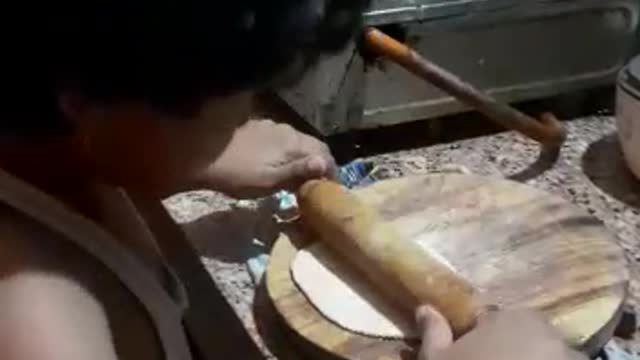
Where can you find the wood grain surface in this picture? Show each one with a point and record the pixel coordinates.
(519, 246)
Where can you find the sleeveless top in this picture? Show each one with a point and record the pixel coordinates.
(164, 310)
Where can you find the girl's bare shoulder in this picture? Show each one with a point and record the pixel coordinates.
(48, 280)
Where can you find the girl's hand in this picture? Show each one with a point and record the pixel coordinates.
(506, 335)
(264, 157)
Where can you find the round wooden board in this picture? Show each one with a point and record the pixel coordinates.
(520, 246)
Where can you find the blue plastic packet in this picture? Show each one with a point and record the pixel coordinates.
(356, 173)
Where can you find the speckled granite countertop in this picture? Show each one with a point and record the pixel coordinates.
(589, 171)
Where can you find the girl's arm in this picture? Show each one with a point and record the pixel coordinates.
(50, 317)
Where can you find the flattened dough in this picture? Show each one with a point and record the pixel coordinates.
(344, 297)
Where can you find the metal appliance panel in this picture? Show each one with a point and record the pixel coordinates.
(514, 50)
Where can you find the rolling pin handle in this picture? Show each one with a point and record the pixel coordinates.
(548, 131)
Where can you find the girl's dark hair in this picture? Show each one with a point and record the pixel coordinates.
(169, 53)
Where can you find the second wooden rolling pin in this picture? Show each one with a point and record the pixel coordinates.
(398, 267)
(547, 131)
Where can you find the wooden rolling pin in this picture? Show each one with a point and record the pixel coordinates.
(400, 268)
(547, 131)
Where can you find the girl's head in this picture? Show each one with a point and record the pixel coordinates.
(152, 90)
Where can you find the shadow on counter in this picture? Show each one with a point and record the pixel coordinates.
(604, 165)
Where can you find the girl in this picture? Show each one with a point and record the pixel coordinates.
(108, 100)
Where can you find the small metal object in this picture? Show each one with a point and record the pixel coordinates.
(286, 207)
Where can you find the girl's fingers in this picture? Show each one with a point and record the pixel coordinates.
(436, 332)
